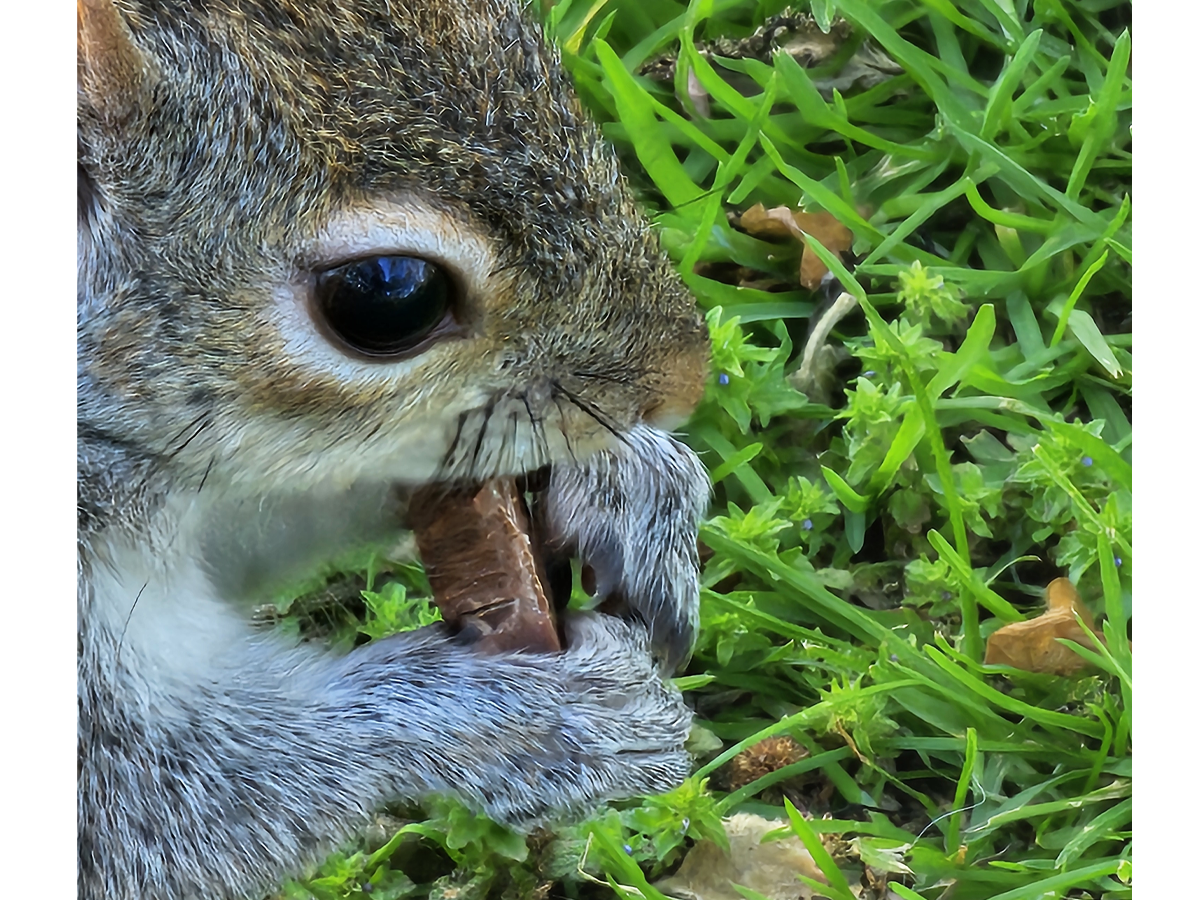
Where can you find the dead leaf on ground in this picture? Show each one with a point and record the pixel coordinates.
(799, 36)
(1033, 645)
(709, 873)
(783, 222)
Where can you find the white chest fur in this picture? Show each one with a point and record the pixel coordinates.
(178, 600)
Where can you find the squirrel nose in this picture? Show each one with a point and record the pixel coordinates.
(679, 385)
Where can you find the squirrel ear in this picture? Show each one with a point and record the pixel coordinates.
(114, 74)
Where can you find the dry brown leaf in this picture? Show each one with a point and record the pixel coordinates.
(1033, 645)
(782, 222)
(832, 234)
(709, 873)
(758, 221)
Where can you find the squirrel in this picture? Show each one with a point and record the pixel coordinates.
(330, 252)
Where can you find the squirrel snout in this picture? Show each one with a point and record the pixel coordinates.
(679, 385)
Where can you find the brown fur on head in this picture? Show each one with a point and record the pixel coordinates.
(231, 149)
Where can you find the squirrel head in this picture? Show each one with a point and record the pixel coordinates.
(326, 240)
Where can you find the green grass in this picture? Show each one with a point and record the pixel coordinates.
(968, 441)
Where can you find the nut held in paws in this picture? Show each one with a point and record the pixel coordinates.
(479, 554)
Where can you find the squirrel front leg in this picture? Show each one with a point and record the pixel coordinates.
(632, 514)
(219, 789)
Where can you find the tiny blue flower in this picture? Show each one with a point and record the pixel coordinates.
(1087, 461)
(628, 850)
(868, 373)
(723, 378)
(806, 524)
(1117, 560)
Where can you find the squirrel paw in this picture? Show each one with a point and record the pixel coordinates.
(613, 729)
(632, 513)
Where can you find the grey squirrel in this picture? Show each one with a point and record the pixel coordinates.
(329, 252)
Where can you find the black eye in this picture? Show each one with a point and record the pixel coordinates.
(384, 305)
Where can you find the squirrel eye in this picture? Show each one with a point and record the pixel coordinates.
(385, 305)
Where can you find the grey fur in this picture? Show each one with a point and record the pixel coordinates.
(224, 447)
(273, 765)
(632, 514)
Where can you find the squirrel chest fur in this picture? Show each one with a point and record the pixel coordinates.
(330, 252)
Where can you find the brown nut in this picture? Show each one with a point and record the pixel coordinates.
(479, 555)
